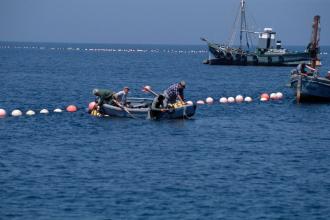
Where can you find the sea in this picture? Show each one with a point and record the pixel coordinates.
(258, 160)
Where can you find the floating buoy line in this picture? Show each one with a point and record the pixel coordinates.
(18, 112)
(264, 97)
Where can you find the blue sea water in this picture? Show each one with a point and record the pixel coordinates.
(236, 161)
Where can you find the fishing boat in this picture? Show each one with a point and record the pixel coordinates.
(268, 52)
(141, 108)
(310, 87)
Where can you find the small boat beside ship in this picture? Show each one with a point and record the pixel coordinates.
(309, 86)
(269, 52)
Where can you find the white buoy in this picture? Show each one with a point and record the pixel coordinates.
(239, 98)
(200, 102)
(223, 100)
(248, 99)
(189, 103)
(2, 113)
(209, 100)
(231, 99)
(279, 95)
(58, 110)
(44, 111)
(30, 113)
(273, 96)
(16, 113)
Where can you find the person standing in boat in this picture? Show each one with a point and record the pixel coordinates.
(174, 92)
(122, 95)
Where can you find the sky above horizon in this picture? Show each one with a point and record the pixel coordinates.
(156, 22)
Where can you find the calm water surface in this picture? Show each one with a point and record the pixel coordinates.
(236, 161)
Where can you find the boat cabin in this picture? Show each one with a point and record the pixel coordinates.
(267, 39)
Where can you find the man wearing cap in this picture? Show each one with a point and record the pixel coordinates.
(174, 92)
(122, 95)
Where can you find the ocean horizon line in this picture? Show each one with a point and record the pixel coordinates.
(109, 43)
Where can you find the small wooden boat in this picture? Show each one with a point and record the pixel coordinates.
(176, 111)
(310, 87)
(141, 108)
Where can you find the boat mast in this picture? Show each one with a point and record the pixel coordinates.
(243, 26)
(314, 46)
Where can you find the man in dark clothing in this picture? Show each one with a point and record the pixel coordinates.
(157, 107)
(104, 96)
(174, 92)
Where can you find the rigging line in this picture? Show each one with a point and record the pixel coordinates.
(243, 23)
(234, 29)
(246, 33)
(254, 26)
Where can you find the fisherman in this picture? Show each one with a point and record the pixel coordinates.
(301, 68)
(122, 96)
(157, 107)
(174, 92)
(104, 96)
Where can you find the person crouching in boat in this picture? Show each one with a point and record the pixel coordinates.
(122, 96)
(174, 92)
(301, 68)
(104, 96)
(157, 107)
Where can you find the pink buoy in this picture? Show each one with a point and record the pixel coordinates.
(200, 102)
(279, 95)
(239, 98)
(146, 88)
(273, 96)
(231, 99)
(2, 113)
(248, 99)
(209, 100)
(223, 100)
(71, 108)
(189, 103)
(264, 96)
(91, 106)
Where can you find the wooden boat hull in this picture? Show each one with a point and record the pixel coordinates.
(311, 89)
